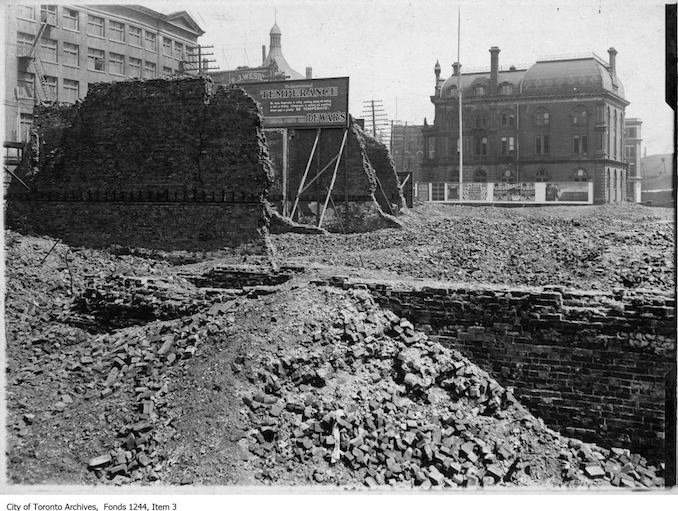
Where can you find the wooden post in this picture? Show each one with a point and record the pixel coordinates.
(334, 177)
(303, 178)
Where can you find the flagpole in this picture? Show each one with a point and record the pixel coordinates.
(459, 92)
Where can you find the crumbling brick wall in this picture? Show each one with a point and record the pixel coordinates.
(164, 164)
(358, 204)
(591, 364)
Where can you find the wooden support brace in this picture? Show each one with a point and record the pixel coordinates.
(334, 177)
(303, 179)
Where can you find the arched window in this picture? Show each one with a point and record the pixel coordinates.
(479, 90)
(615, 134)
(505, 89)
(580, 116)
(542, 176)
(480, 175)
(452, 91)
(481, 119)
(542, 119)
(580, 175)
(507, 176)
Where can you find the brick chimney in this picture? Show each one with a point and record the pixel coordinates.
(263, 54)
(613, 61)
(309, 73)
(456, 68)
(494, 69)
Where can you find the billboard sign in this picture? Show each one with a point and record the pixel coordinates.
(317, 103)
(246, 74)
(514, 192)
(567, 192)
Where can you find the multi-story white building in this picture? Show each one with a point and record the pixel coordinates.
(53, 52)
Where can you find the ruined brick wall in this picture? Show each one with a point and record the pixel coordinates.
(167, 164)
(359, 202)
(388, 194)
(591, 364)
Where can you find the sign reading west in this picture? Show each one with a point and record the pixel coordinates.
(318, 103)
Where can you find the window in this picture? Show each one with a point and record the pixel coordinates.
(24, 43)
(167, 71)
(480, 175)
(481, 120)
(149, 70)
(70, 19)
(542, 176)
(116, 63)
(26, 12)
(25, 123)
(95, 26)
(505, 89)
(134, 34)
(149, 41)
(630, 151)
(438, 191)
(452, 91)
(166, 46)
(508, 120)
(542, 119)
(116, 31)
(178, 50)
(95, 60)
(580, 175)
(48, 50)
(431, 147)
(579, 117)
(631, 132)
(479, 91)
(26, 83)
(134, 67)
(580, 144)
(51, 88)
(71, 91)
(480, 145)
(541, 144)
(507, 145)
(48, 13)
(71, 54)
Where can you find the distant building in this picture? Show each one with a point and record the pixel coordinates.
(407, 147)
(632, 152)
(659, 180)
(274, 66)
(53, 52)
(549, 127)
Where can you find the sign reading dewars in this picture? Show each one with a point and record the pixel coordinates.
(321, 103)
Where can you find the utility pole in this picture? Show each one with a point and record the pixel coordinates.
(461, 139)
(373, 110)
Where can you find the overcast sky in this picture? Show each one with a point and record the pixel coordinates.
(388, 47)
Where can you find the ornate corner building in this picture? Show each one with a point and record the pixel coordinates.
(557, 121)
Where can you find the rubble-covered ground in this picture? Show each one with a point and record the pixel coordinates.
(584, 247)
(121, 371)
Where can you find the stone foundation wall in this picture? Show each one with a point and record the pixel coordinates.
(591, 364)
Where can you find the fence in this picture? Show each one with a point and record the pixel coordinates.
(575, 192)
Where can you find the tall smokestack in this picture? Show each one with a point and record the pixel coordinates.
(613, 64)
(309, 73)
(263, 54)
(494, 69)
